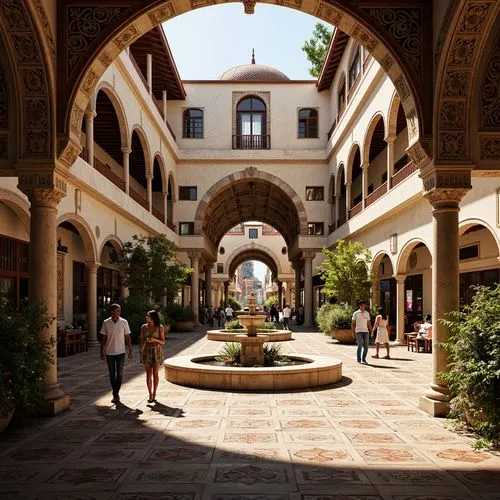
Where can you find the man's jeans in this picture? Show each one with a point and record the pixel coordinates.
(115, 367)
(362, 339)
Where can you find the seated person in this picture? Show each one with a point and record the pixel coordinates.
(425, 330)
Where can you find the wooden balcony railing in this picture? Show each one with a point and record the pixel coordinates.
(251, 142)
(375, 195)
(105, 170)
(171, 226)
(341, 220)
(355, 210)
(403, 173)
(158, 214)
(138, 198)
(85, 154)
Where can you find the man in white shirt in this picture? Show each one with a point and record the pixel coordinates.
(229, 314)
(361, 326)
(287, 312)
(115, 333)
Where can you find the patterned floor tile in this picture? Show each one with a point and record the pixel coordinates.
(79, 476)
(304, 423)
(250, 437)
(319, 454)
(373, 437)
(250, 475)
(191, 454)
(257, 412)
(255, 423)
(195, 423)
(386, 455)
(365, 424)
(312, 437)
(330, 476)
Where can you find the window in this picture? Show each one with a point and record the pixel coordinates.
(253, 234)
(251, 124)
(14, 267)
(315, 193)
(220, 268)
(186, 228)
(188, 193)
(469, 252)
(355, 68)
(108, 287)
(316, 228)
(193, 123)
(308, 124)
(341, 96)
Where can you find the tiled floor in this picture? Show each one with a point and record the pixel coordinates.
(364, 438)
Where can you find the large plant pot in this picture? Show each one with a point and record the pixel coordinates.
(184, 326)
(5, 418)
(343, 336)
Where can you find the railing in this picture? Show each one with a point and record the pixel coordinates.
(341, 220)
(108, 173)
(171, 226)
(375, 195)
(355, 210)
(251, 142)
(139, 199)
(403, 173)
(331, 228)
(159, 215)
(85, 154)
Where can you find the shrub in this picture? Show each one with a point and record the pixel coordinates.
(268, 326)
(273, 300)
(177, 312)
(24, 358)
(332, 317)
(272, 354)
(230, 354)
(474, 369)
(234, 325)
(236, 305)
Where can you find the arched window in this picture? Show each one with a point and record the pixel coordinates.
(251, 124)
(308, 123)
(193, 123)
(355, 68)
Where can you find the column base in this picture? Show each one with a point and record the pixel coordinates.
(53, 407)
(433, 407)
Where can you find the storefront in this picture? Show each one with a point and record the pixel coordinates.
(414, 300)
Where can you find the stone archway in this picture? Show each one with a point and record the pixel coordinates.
(398, 37)
(254, 251)
(85, 232)
(18, 205)
(250, 194)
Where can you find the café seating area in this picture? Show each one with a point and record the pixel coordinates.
(71, 342)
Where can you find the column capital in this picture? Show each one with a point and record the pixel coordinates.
(348, 184)
(390, 138)
(92, 267)
(90, 114)
(209, 264)
(364, 167)
(126, 149)
(309, 254)
(400, 278)
(194, 254)
(446, 185)
(44, 188)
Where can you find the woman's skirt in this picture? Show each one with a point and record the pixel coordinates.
(382, 335)
(152, 354)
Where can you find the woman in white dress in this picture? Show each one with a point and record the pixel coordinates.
(382, 326)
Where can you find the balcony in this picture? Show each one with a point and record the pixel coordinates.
(403, 173)
(251, 142)
(375, 195)
(355, 210)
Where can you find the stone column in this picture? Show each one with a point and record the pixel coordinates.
(288, 292)
(400, 309)
(126, 170)
(347, 199)
(89, 132)
(164, 101)
(92, 268)
(390, 159)
(226, 293)
(280, 294)
(445, 202)
(195, 285)
(364, 183)
(149, 73)
(208, 283)
(298, 269)
(375, 294)
(165, 207)
(336, 210)
(149, 180)
(308, 291)
(45, 190)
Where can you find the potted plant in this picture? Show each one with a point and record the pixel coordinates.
(181, 318)
(24, 359)
(335, 320)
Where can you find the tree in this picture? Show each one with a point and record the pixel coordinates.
(149, 267)
(316, 48)
(345, 272)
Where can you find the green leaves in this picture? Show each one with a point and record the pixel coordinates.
(316, 48)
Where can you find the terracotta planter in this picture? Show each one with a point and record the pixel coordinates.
(5, 418)
(343, 336)
(184, 326)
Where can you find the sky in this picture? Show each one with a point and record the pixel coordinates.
(206, 42)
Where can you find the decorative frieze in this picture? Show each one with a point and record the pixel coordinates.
(70, 153)
(328, 13)
(490, 91)
(46, 187)
(462, 51)
(36, 143)
(42, 15)
(489, 148)
(15, 14)
(26, 49)
(34, 83)
(445, 187)
(452, 115)
(387, 62)
(474, 18)
(456, 84)
(162, 13)
(196, 4)
(364, 38)
(402, 87)
(90, 81)
(452, 144)
(126, 37)
(294, 4)
(36, 114)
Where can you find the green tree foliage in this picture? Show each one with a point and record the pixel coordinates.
(236, 305)
(316, 48)
(331, 317)
(474, 369)
(149, 267)
(273, 300)
(345, 272)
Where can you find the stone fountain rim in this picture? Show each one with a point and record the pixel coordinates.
(221, 335)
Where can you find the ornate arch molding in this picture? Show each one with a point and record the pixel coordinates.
(350, 160)
(18, 204)
(404, 255)
(471, 25)
(377, 260)
(369, 135)
(255, 248)
(341, 173)
(116, 242)
(250, 173)
(33, 81)
(399, 37)
(467, 223)
(89, 241)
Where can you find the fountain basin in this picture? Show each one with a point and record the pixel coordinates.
(318, 370)
(226, 336)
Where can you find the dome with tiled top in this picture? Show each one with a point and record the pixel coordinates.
(254, 73)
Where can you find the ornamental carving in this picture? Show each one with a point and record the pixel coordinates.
(34, 83)
(452, 115)
(405, 28)
(4, 146)
(85, 24)
(412, 121)
(76, 119)
(474, 18)
(4, 110)
(452, 144)
(329, 14)
(125, 38)
(418, 153)
(401, 87)
(70, 153)
(14, 14)
(445, 25)
(387, 62)
(359, 34)
(162, 13)
(462, 51)
(447, 179)
(105, 59)
(456, 83)
(26, 49)
(445, 198)
(36, 143)
(294, 4)
(36, 113)
(42, 186)
(90, 82)
(489, 148)
(490, 92)
(196, 4)
(46, 26)
(249, 6)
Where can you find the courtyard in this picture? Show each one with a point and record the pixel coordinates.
(363, 438)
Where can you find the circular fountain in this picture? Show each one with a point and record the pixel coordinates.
(299, 371)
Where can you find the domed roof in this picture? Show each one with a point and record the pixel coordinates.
(254, 73)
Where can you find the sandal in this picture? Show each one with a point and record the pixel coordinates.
(387, 357)
(150, 400)
(375, 356)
